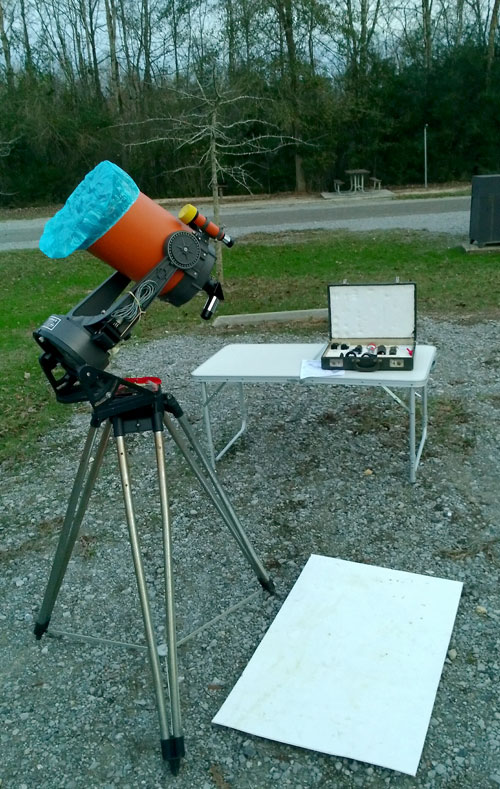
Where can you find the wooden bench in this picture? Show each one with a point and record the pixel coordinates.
(376, 183)
(337, 184)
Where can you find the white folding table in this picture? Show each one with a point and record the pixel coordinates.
(281, 363)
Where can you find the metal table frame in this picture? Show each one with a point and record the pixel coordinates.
(242, 364)
(357, 179)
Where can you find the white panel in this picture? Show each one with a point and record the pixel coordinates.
(351, 664)
(372, 311)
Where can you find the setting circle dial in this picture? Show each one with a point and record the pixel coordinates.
(183, 249)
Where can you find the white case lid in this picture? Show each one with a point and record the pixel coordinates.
(371, 311)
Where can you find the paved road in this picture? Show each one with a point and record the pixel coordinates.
(447, 215)
(443, 215)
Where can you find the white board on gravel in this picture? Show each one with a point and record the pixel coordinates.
(351, 664)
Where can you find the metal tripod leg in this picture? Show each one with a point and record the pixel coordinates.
(216, 493)
(75, 512)
(175, 746)
(172, 747)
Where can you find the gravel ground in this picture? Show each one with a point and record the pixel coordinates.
(319, 471)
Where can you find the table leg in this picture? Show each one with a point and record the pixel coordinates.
(206, 398)
(243, 425)
(423, 408)
(411, 414)
(206, 422)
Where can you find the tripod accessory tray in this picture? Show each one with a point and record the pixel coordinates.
(372, 327)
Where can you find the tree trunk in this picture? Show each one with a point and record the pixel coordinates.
(219, 268)
(28, 58)
(459, 29)
(95, 58)
(130, 71)
(9, 73)
(360, 24)
(285, 17)
(427, 31)
(146, 42)
(111, 23)
(300, 179)
(490, 55)
(231, 38)
(175, 40)
(310, 41)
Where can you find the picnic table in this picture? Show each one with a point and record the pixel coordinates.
(357, 179)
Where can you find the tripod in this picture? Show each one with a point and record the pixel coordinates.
(131, 408)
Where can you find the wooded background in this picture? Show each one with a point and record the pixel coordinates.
(271, 95)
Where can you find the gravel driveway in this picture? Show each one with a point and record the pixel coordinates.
(319, 471)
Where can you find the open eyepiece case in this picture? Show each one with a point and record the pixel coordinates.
(372, 327)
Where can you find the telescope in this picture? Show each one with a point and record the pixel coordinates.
(163, 256)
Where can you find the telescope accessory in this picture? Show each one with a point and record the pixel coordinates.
(183, 249)
(190, 215)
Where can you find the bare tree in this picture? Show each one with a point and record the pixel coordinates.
(86, 14)
(285, 12)
(225, 141)
(55, 45)
(357, 21)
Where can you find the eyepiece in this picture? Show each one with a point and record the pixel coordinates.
(208, 310)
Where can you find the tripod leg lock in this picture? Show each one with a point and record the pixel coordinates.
(41, 628)
(171, 405)
(172, 751)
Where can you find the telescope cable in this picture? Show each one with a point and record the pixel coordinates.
(129, 312)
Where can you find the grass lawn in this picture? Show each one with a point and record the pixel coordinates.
(261, 274)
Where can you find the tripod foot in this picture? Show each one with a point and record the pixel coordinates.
(40, 628)
(172, 751)
(175, 766)
(268, 585)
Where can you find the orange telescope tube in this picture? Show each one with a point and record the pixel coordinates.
(134, 244)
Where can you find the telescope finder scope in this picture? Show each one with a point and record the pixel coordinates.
(190, 215)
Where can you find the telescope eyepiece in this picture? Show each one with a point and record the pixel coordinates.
(208, 310)
(215, 294)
